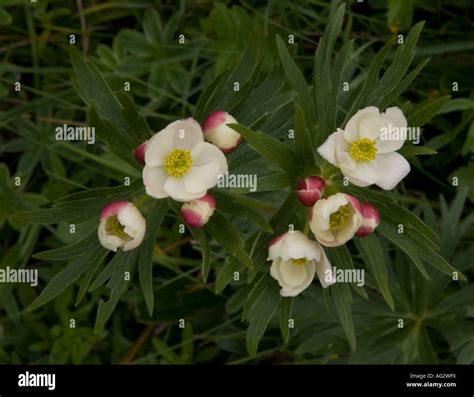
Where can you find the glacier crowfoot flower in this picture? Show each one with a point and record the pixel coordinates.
(179, 164)
(362, 153)
(196, 213)
(310, 190)
(218, 133)
(296, 259)
(121, 226)
(336, 219)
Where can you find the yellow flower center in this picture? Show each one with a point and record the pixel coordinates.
(299, 262)
(363, 150)
(114, 228)
(340, 218)
(178, 162)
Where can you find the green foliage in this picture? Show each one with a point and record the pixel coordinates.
(288, 99)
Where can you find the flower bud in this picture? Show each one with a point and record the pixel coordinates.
(370, 221)
(196, 213)
(140, 153)
(310, 190)
(218, 133)
(121, 226)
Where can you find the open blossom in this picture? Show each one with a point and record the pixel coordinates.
(179, 164)
(121, 226)
(310, 190)
(370, 220)
(295, 261)
(336, 219)
(218, 133)
(364, 152)
(196, 213)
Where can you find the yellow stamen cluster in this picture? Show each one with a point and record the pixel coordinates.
(178, 162)
(340, 218)
(363, 150)
(299, 262)
(115, 228)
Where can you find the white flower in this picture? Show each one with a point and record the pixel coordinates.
(196, 213)
(364, 152)
(121, 226)
(179, 164)
(216, 131)
(295, 261)
(336, 219)
(310, 190)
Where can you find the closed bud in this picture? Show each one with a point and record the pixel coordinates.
(218, 133)
(196, 213)
(370, 221)
(310, 190)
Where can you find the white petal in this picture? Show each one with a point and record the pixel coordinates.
(110, 242)
(202, 177)
(292, 275)
(205, 153)
(328, 149)
(159, 147)
(187, 133)
(154, 179)
(395, 115)
(372, 127)
(293, 291)
(177, 191)
(351, 130)
(364, 174)
(324, 271)
(276, 245)
(392, 167)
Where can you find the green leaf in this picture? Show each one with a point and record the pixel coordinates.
(405, 244)
(269, 147)
(227, 203)
(70, 251)
(303, 143)
(220, 93)
(426, 111)
(155, 216)
(226, 235)
(371, 79)
(371, 250)
(342, 300)
(285, 314)
(203, 239)
(457, 105)
(297, 80)
(73, 270)
(412, 150)
(118, 285)
(342, 259)
(259, 309)
(400, 64)
(324, 88)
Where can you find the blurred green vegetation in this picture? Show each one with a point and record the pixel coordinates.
(138, 42)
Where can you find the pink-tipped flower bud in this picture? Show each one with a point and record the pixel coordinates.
(218, 133)
(121, 226)
(310, 190)
(140, 153)
(370, 221)
(196, 213)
